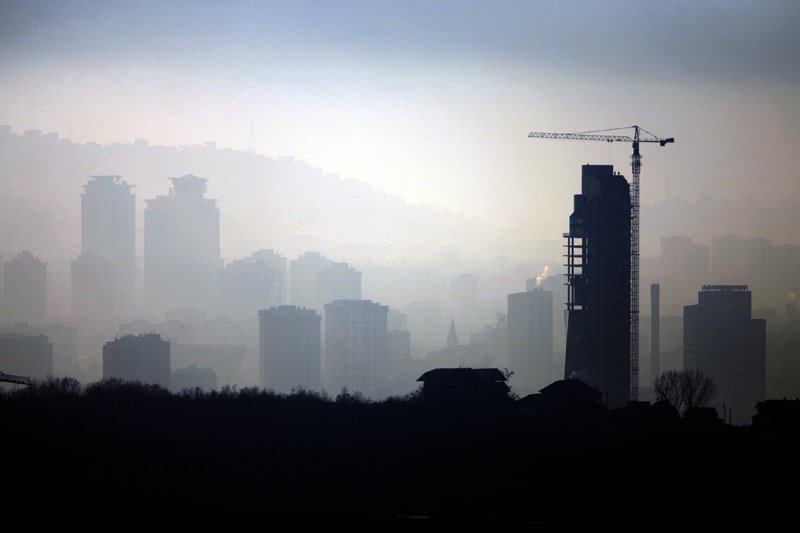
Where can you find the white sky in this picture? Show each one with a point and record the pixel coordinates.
(431, 101)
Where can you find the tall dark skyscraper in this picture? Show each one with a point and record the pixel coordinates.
(104, 276)
(24, 296)
(599, 277)
(290, 348)
(721, 339)
(530, 339)
(181, 247)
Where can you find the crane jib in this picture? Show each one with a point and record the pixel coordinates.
(636, 165)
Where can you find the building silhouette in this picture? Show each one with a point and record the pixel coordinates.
(356, 346)
(193, 377)
(225, 360)
(63, 339)
(721, 339)
(459, 387)
(783, 363)
(495, 338)
(142, 358)
(24, 295)
(401, 365)
(599, 277)
(290, 348)
(30, 356)
(104, 275)
(454, 354)
(253, 283)
(397, 320)
(452, 335)
(530, 339)
(181, 247)
(280, 265)
(426, 322)
(303, 273)
(655, 331)
(338, 281)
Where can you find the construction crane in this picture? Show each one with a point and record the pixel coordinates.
(636, 167)
(19, 380)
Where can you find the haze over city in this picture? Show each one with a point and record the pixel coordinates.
(339, 204)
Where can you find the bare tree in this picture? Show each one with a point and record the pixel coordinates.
(684, 389)
(697, 389)
(668, 388)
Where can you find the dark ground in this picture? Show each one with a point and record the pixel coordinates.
(125, 448)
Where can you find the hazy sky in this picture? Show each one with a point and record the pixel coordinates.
(429, 100)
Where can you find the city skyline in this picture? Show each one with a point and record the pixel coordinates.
(408, 209)
(332, 257)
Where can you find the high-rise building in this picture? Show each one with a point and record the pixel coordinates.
(425, 320)
(26, 355)
(290, 349)
(278, 264)
(303, 273)
(338, 281)
(142, 358)
(253, 283)
(721, 339)
(599, 277)
(181, 247)
(104, 275)
(64, 341)
(356, 346)
(24, 296)
(530, 339)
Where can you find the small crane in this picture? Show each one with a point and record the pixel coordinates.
(636, 167)
(19, 380)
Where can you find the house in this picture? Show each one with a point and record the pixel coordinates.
(464, 385)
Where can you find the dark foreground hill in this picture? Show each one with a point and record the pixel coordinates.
(136, 449)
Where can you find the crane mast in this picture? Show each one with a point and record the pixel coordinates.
(636, 167)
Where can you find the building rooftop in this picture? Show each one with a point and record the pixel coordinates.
(725, 288)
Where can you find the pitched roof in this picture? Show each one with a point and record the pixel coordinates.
(438, 374)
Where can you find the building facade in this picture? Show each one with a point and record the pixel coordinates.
(290, 348)
(30, 356)
(721, 339)
(530, 340)
(24, 296)
(104, 275)
(338, 281)
(599, 277)
(142, 358)
(303, 273)
(356, 346)
(182, 260)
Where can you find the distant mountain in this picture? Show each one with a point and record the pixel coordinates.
(278, 203)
